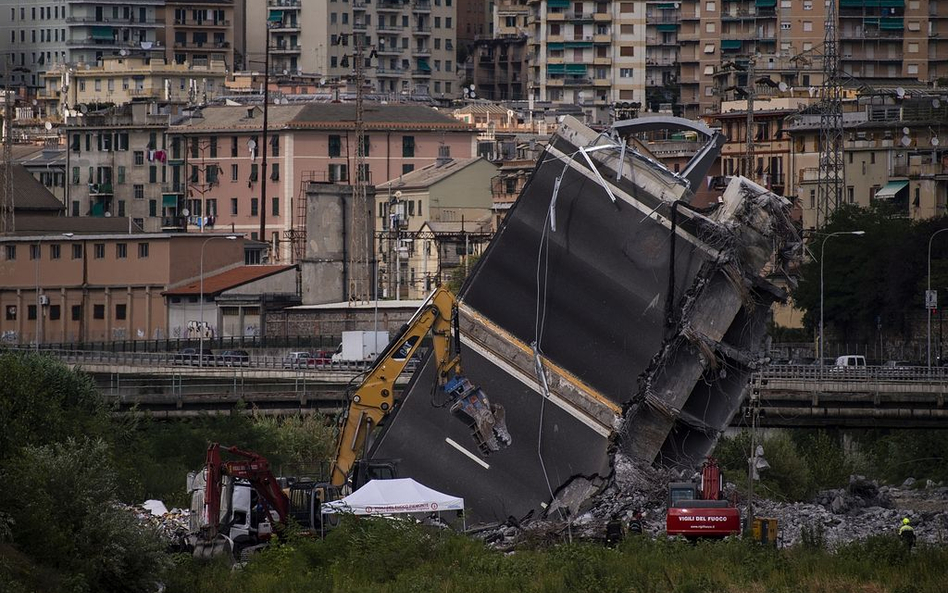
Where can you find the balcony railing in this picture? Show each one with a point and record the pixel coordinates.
(421, 5)
(284, 3)
(91, 20)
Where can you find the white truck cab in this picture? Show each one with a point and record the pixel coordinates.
(851, 361)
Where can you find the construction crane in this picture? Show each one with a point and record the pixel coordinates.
(832, 173)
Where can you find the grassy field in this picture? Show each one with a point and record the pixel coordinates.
(384, 556)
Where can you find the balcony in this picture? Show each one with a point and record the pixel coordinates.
(285, 3)
(358, 5)
(390, 5)
(172, 188)
(602, 60)
(738, 15)
(91, 20)
(420, 73)
(555, 16)
(662, 19)
(201, 45)
(382, 27)
(421, 30)
(421, 51)
(285, 48)
(577, 81)
(388, 50)
(602, 38)
(357, 26)
(99, 190)
(201, 24)
(602, 17)
(284, 26)
(579, 16)
(174, 223)
(390, 72)
(421, 6)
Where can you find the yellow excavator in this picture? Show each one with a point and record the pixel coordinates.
(374, 398)
(234, 502)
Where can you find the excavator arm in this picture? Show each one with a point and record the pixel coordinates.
(374, 398)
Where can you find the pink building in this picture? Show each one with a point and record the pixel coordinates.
(216, 159)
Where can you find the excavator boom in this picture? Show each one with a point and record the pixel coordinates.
(375, 397)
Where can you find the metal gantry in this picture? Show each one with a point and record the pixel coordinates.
(359, 258)
(832, 173)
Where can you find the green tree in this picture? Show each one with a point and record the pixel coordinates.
(61, 498)
(43, 401)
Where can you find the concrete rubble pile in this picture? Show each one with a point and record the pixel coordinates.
(608, 315)
(838, 516)
(172, 525)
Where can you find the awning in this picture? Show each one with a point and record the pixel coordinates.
(576, 69)
(423, 66)
(731, 44)
(666, 6)
(103, 33)
(892, 23)
(890, 190)
(766, 3)
(276, 16)
(389, 497)
(667, 27)
(555, 68)
(554, 45)
(557, 3)
(169, 201)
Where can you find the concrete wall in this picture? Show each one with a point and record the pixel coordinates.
(332, 322)
(331, 242)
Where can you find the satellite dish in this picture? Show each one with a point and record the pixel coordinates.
(322, 81)
(35, 102)
(900, 92)
(812, 91)
(398, 195)
(473, 95)
(935, 141)
(285, 72)
(83, 108)
(251, 144)
(936, 103)
(108, 215)
(49, 126)
(783, 87)
(906, 141)
(123, 52)
(185, 212)
(906, 131)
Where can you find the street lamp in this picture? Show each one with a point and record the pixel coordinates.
(822, 249)
(201, 327)
(928, 292)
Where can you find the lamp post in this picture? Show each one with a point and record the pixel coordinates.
(927, 292)
(822, 250)
(201, 302)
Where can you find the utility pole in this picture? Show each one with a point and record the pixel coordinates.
(832, 172)
(6, 207)
(266, 105)
(749, 124)
(359, 258)
(754, 411)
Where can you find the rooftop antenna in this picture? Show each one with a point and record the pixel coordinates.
(832, 172)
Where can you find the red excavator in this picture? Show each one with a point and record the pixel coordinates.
(698, 509)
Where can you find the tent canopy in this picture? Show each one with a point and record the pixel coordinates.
(386, 497)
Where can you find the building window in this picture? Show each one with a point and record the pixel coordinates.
(99, 251)
(98, 311)
(34, 252)
(120, 310)
(335, 145)
(139, 157)
(76, 251)
(408, 146)
(54, 251)
(624, 73)
(275, 172)
(139, 192)
(253, 207)
(142, 250)
(76, 312)
(338, 173)
(233, 146)
(11, 312)
(233, 206)
(406, 169)
(152, 207)
(275, 207)
(121, 250)
(11, 252)
(234, 172)
(54, 311)
(626, 51)
(31, 312)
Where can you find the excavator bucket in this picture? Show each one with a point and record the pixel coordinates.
(487, 421)
(215, 548)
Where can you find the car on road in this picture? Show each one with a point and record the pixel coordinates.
(192, 356)
(299, 360)
(234, 358)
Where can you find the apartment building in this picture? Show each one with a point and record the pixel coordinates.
(420, 213)
(199, 32)
(877, 38)
(215, 169)
(83, 286)
(42, 35)
(501, 68)
(588, 53)
(119, 80)
(662, 20)
(474, 19)
(409, 46)
(894, 152)
(116, 164)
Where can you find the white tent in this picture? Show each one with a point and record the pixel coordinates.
(386, 497)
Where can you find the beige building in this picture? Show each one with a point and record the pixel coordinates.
(409, 46)
(78, 288)
(894, 153)
(450, 191)
(888, 39)
(590, 54)
(662, 20)
(199, 33)
(119, 80)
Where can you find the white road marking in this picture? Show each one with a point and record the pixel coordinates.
(474, 457)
